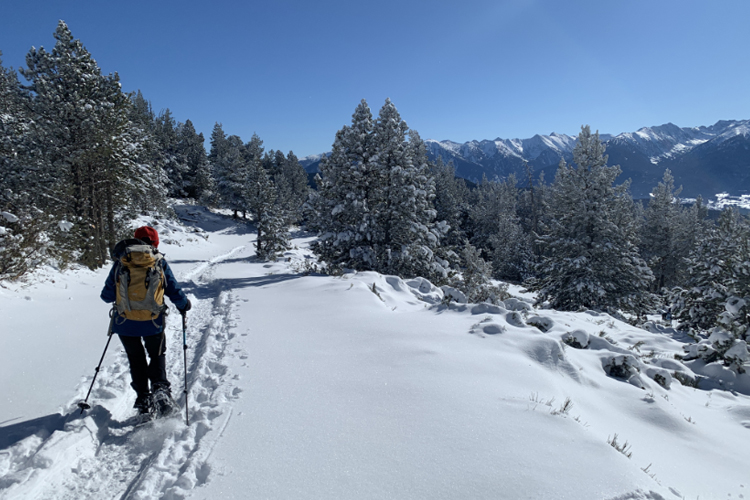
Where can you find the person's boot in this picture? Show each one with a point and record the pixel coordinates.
(164, 404)
(145, 407)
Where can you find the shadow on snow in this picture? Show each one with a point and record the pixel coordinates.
(45, 426)
(201, 217)
(213, 289)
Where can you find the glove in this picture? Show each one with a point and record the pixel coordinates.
(185, 309)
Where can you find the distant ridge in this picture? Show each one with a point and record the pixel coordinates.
(705, 160)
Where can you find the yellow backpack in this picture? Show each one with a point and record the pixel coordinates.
(140, 281)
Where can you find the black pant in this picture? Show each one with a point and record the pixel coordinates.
(140, 371)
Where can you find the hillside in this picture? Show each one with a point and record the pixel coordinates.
(303, 385)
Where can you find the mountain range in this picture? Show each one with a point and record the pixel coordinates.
(705, 160)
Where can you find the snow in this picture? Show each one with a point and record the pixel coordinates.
(357, 386)
(724, 200)
(735, 129)
(528, 149)
(9, 217)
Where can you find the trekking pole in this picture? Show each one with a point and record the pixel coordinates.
(184, 358)
(83, 405)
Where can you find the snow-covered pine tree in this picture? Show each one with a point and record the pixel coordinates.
(715, 304)
(591, 259)
(231, 172)
(20, 221)
(273, 163)
(475, 282)
(660, 244)
(88, 145)
(374, 208)
(292, 189)
(496, 229)
(252, 154)
(451, 210)
(143, 119)
(405, 235)
(261, 198)
(451, 202)
(273, 229)
(141, 113)
(344, 188)
(218, 151)
(716, 272)
(197, 179)
(174, 164)
(14, 122)
(532, 207)
(692, 226)
(219, 144)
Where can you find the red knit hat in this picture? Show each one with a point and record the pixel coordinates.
(147, 234)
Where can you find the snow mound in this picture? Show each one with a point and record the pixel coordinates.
(578, 339)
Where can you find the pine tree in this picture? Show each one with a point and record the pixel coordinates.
(141, 113)
(232, 171)
(715, 305)
(659, 242)
(496, 229)
(219, 144)
(88, 171)
(13, 123)
(21, 224)
(591, 260)
(218, 150)
(143, 120)
(451, 200)
(532, 208)
(344, 186)
(166, 132)
(253, 156)
(197, 177)
(452, 208)
(692, 226)
(375, 206)
(273, 230)
(405, 236)
(717, 271)
(475, 282)
(230, 161)
(290, 180)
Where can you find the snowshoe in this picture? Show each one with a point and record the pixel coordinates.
(163, 402)
(145, 406)
(143, 418)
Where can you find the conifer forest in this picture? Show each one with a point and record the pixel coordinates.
(79, 158)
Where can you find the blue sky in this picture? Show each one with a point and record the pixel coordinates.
(293, 71)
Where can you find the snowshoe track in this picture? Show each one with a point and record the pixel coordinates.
(162, 459)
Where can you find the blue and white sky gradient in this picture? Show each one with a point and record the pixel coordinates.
(293, 71)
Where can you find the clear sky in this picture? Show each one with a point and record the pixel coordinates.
(293, 71)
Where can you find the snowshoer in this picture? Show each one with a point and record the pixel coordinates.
(137, 283)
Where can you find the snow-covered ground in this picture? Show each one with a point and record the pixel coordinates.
(359, 386)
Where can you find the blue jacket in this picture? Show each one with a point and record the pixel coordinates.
(132, 328)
